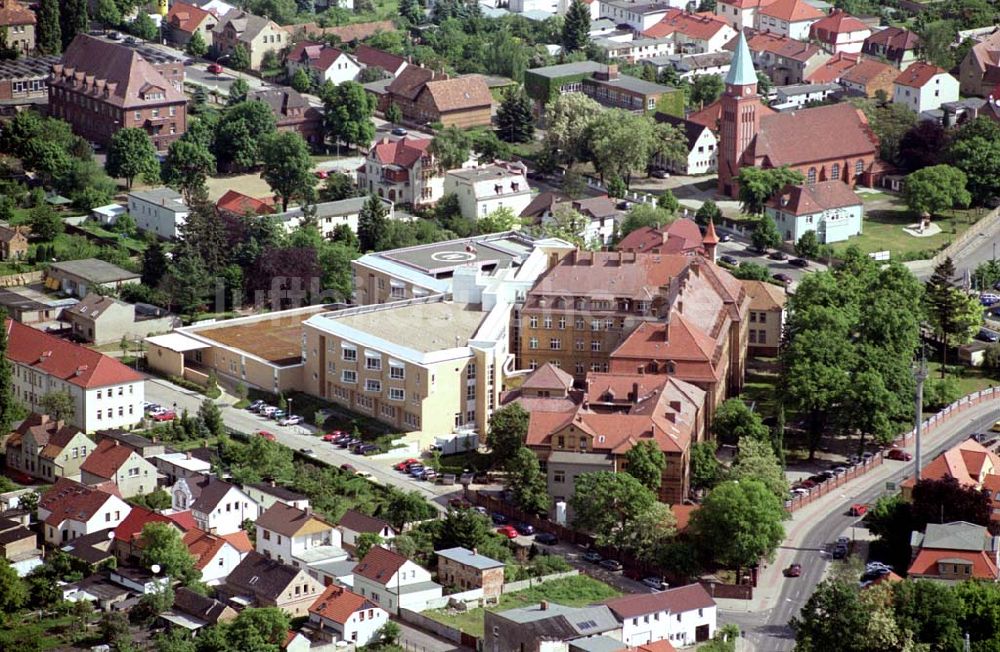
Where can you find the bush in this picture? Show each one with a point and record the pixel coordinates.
(213, 392)
(941, 392)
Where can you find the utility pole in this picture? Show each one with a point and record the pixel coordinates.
(920, 375)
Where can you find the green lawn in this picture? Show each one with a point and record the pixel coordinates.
(132, 243)
(970, 379)
(759, 388)
(576, 591)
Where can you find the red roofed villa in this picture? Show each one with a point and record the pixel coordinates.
(954, 552)
(70, 510)
(840, 32)
(403, 171)
(347, 615)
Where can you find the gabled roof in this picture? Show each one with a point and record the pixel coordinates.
(692, 130)
(246, 25)
(207, 492)
(543, 202)
(956, 542)
(674, 601)
(467, 557)
(239, 204)
(239, 540)
(339, 604)
(823, 133)
(710, 115)
(793, 11)
(15, 13)
(187, 18)
(918, 74)
(203, 546)
(380, 564)
(71, 363)
(964, 462)
(693, 26)
(404, 152)
(833, 68)
(202, 607)
(459, 93)
(51, 436)
(894, 38)
(809, 199)
(130, 529)
(548, 376)
(93, 306)
(357, 522)
(70, 500)
(278, 491)
(780, 46)
(866, 71)
(837, 22)
(107, 458)
(261, 577)
(765, 296)
(291, 521)
(370, 57)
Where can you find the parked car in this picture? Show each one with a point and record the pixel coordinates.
(364, 449)
(840, 552)
(725, 237)
(660, 173)
(214, 68)
(808, 483)
(546, 538)
(729, 260)
(986, 335)
(268, 411)
(332, 436)
(348, 467)
(784, 278)
(399, 131)
(402, 466)
(307, 451)
(290, 421)
(612, 565)
(794, 570)
(844, 541)
(867, 456)
(278, 414)
(858, 509)
(498, 518)
(266, 435)
(995, 427)
(166, 415)
(778, 255)
(459, 503)
(321, 174)
(507, 531)
(988, 298)
(798, 262)
(898, 454)
(655, 583)
(524, 528)
(256, 405)
(364, 474)
(839, 470)
(429, 475)
(592, 556)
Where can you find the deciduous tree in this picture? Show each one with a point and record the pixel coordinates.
(288, 167)
(9, 407)
(59, 405)
(705, 467)
(934, 189)
(239, 59)
(162, 545)
(187, 166)
(739, 523)
(808, 245)
(645, 462)
(568, 123)
(706, 89)
(757, 185)
(610, 505)
(132, 154)
(735, 421)
(348, 110)
(527, 483)
(756, 460)
(196, 45)
(451, 147)
(642, 215)
(501, 219)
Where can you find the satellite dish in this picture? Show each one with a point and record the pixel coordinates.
(155, 568)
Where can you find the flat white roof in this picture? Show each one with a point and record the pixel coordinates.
(177, 342)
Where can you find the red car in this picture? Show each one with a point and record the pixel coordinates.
(164, 416)
(330, 436)
(857, 509)
(405, 463)
(898, 454)
(268, 436)
(215, 69)
(508, 531)
(794, 570)
(321, 174)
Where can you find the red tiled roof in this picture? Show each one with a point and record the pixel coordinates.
(793, 11)
(185, 17)
(964, 462)
(239, 540)
(338, 604)
(674, 601)
(746, 4)
(808, 199)
(68, 499)
(866, 71)
(346, 33)
(838, 22)
(404, 152)
(15, 13)
(548, 376)
(130, 529)
(710, 115)
(72, 363)
(370, 56)
(184, 519)
(237, 203)
(106, 459)
(459, 93)
(781, 46)
(926, 563)
(918, 74)
(380, 564)
(832, 70)
(823, 133)
(683, 515)
(203, 546)
(693, 26)
(895, 38)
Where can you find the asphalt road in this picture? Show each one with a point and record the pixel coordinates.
(740, 250)
(768, 631)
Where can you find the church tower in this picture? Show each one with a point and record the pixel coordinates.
(740, 117)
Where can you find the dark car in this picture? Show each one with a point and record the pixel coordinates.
(498, 518)
(612, 565)
(899, 454)
(399, 131)
(546, 538)
(778, 255)
(784, 278)
(729, 260)
(592, 556)
(725, 237)
(987, 335)
(798, 262)
(524, 528)
(794, 570)
(840, 552)
(364, 449)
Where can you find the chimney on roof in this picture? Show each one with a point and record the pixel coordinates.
(544, 606)
(188, 455)
(641, 370)
(634, 395)
(273, 483)
(59, 424)
(474, 551)
(117, 443)
(308, 510)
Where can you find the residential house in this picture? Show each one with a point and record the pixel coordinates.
(689, 66)
(606, 643)
(392, 581)
(70, 510)
(236, 204)
(266, 494)
(346, 616)
(101, 86)
(546, 626)
(924, 87)
(840, 32)
(896, 45)
(639, 16)
(955, 552)
(979, 71)
(323, 62)
(868, 77)
(160, 211)
(218, 506)
(126, 539)
(683, 616)
(18, 545)
(353, 524)
(13, 243)
(701, 147)
(742, 14)
(403, 171)
(216, 556)
(830, 208)
(80, 277)
(834, 68)
(47, 449)
(122, 467)
(601, 214)
(425, 96)
(293, 112)
(146, 448)
(638, 48)
(174, 466)
(18, 21)
(29, 306)
(681, 236)
(184, 20)
(798, 96)
(98, 319)
(784, 60)
(327, 216)
(691, 33)
(767, 318)
(297, 536)
(261, 582)
(257, 34)
(24, 82)
(193, 611)
(772, 140)
(789, 18)
(969, 463)
(486, 188)
(602, 83)
(370, 57)
(105, 393)
(465, 569)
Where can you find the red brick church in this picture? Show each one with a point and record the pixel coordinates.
(823, 143)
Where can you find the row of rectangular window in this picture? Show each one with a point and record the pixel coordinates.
(555, 344)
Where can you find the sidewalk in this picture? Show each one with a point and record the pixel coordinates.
(771, 581)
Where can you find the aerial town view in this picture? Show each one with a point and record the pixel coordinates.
(499, 325)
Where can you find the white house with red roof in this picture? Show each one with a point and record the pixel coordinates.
(840, 32)
(70, 510)
(324, 62)
(127, 537)
(391, 581)
(955, 552)
(216, 556)
(739, 13)
(791, 18)
(347, 616)
(924, 87)
(403, 171)
(184, 19)
(640, 16)
(217, 506)
(121, 466)
(370, 57)
(692, 33)
(683, 616)
(830, 208)
(106, 394)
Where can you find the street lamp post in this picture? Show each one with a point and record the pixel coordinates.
(920, 375)
(289, 401)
